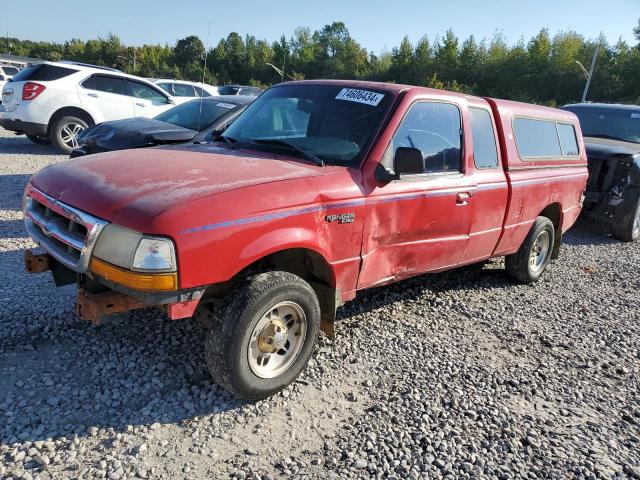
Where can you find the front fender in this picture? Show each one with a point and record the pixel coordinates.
(281, 240)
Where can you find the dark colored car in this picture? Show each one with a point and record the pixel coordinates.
(242, 90)
(193, 121)
(612, 140)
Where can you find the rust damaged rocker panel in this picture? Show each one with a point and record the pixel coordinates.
(94, 307)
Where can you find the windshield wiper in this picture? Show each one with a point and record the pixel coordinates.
(283, 143)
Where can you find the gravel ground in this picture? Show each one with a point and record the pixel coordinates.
(455, 375)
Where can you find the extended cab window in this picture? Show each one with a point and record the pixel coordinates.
(433, 128)
(485, 152)
(536, 138)
(568, 141)
(107, 84)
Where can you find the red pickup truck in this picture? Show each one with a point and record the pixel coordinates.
(318, 190)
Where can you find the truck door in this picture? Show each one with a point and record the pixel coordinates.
(421, 222)
(491, 197)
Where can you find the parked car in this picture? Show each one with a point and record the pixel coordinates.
(612, 137)
(240, 90)
(318, 190)
(55, 101)
(192, 122)
(182, 88)
(8, 71)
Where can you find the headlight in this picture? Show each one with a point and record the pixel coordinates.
(155, 254)
(131, 250)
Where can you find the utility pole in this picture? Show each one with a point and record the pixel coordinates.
(284, 62)
(589, 74)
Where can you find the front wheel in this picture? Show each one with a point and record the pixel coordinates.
(265, 337)
(628, 229)
(533, 256)
(65, 131)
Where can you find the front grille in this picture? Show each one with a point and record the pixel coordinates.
(66, 233)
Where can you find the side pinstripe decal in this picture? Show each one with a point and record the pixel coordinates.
(360, 202)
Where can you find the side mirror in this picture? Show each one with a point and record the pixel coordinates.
(408, 161)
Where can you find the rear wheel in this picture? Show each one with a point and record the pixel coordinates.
(265, 337)
(531, 260)
(39, 140)
(64, 133)
(628, 229)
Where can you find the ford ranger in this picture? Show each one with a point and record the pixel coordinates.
(318, 190)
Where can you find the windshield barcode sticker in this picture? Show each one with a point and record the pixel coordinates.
(360, 96)
(225, 105)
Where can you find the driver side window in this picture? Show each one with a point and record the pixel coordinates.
(435, 129)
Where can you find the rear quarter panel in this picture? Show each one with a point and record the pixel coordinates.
(537, 183)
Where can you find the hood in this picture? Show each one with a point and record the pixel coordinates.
(140, 184)
(604, 147)
(134, 133)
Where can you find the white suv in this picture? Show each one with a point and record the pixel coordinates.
(55, 101)
(182, 88)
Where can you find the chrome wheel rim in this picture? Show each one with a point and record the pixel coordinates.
(69, 134)
(277, 339)
(539, 251)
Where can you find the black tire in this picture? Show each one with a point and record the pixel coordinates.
(628, 229)
(519, 264)
(58, 134)
(228, 340)
(39, 140)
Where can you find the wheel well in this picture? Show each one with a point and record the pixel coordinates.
(306, 264)
(70, 111)
(554, 213)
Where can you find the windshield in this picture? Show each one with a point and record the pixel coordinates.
(609, 123)
(332, 123)
(188, 114)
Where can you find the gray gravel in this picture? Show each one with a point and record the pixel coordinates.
(456, 375)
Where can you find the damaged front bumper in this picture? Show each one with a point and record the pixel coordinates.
(99, 297)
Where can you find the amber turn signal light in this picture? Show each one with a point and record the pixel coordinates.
(135, 280)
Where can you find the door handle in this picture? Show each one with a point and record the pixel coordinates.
(140, 104)
(94, 95)
(463, 198)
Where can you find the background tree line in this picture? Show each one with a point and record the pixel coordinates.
(542, 70)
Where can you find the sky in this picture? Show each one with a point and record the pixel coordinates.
(377, 25)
